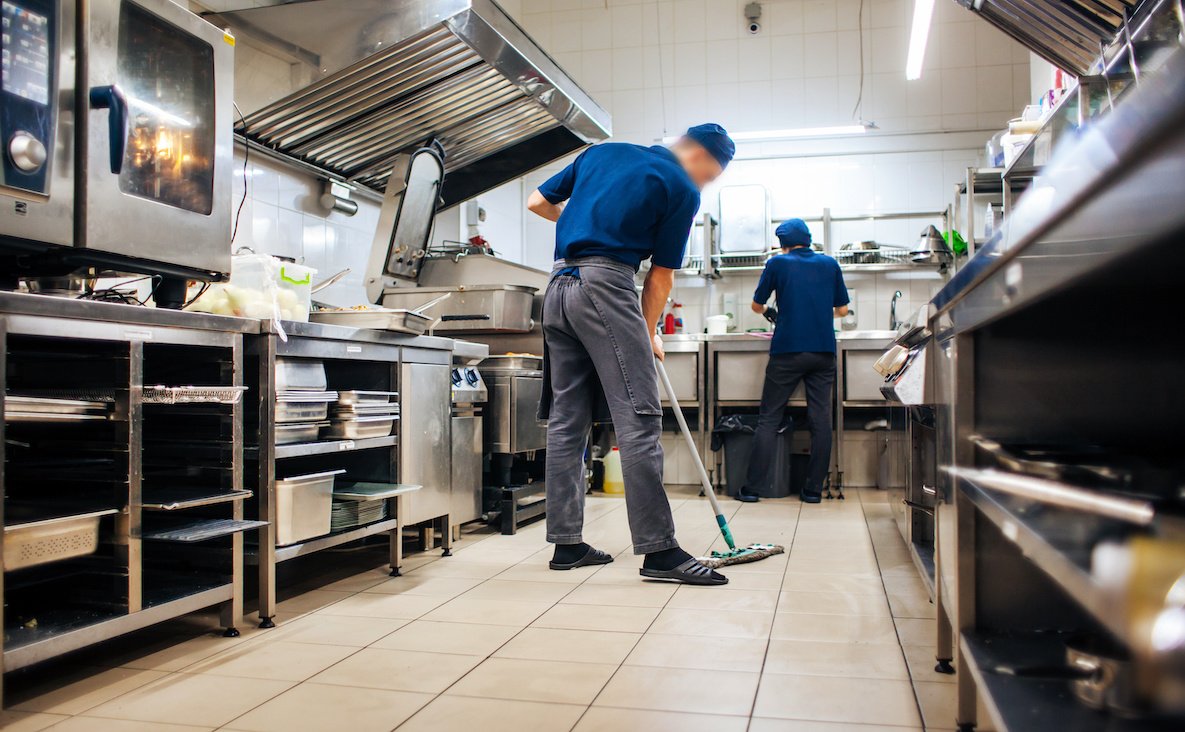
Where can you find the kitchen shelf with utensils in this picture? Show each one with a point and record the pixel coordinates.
(325, 410)
(94, 473)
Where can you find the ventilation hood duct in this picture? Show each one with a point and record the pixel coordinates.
(1070, 34)
(387, 75)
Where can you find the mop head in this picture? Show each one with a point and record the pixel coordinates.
(751, 553)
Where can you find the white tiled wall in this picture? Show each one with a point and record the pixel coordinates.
(659, 65)
(283, 216)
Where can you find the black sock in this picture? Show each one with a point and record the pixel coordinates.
(568, 553)
(665, 559)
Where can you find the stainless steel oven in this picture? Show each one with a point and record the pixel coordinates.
(117, 131)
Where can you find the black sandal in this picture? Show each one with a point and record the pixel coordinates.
(593, 557)
(690, 572)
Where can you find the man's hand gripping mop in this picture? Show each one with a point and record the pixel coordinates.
(751, 553)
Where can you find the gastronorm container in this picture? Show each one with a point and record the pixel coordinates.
(50, 540)
(298, 406)
(360, 428)
(300, 374)
(354, 396)
(303, 506)
(287, 434)
(397, 320)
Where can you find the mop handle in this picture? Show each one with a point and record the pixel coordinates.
(705, 481)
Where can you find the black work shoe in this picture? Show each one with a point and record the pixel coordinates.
(811, 498)
(746, 497)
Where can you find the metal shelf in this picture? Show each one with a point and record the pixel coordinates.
(189, 532)
(284, 553)
(333, 446)
(56, 644)
(1032, 704)
(1066, 562)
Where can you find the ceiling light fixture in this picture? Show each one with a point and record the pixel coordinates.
(923, 14)
(794, 133)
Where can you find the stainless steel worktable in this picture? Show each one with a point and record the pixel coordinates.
(743, 357)
(166, 544)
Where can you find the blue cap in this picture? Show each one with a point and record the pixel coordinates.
(714, 138)
(793, 233)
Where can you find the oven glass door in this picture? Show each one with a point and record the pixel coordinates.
(167, 77)
(159, 88)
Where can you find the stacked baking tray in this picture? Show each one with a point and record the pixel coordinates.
(363, 414)
(302, 401)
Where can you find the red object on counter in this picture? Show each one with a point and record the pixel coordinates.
(668, 324)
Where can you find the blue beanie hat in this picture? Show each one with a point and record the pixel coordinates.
(714, 138)
(793, 233)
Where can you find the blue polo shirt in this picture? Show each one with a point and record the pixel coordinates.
(809, 285)
(625, 202)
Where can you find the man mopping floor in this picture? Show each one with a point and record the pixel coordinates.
(625, 204)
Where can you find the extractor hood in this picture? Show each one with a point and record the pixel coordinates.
(385, 76)
(1070, 34)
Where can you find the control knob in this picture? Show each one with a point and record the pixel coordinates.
(27, 152)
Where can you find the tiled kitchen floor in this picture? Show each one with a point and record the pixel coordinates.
(834, 636)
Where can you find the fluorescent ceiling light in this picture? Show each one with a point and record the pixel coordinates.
(923, 13)
(766, 135)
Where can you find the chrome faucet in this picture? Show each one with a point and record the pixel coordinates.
(893, 322)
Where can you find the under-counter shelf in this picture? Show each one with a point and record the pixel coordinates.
(1057, 541)
(182, 498)
(1034, 703)
(189, 532)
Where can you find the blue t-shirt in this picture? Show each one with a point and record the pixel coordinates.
(809, 285)
(625, 202)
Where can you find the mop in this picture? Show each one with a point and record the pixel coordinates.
(751, 553)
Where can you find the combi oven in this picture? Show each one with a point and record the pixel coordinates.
(117, 138)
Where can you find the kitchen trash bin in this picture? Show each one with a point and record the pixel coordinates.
(734, 433)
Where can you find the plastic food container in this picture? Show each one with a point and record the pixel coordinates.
(262, 287)
(303, 506)
(300, 374)
(303, 406)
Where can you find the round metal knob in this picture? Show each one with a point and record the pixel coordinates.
(27, 152)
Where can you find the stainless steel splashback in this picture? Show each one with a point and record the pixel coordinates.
(386, 75)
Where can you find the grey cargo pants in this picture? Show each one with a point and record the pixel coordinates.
(596, 341)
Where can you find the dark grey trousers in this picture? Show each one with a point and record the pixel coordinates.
(598, 342)
(782, 377)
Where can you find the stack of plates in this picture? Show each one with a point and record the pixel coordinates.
(348, 514)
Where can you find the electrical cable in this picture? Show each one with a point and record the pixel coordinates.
(246, 155)
(858, 110)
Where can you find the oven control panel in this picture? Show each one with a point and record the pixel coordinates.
(28, 46)
(468, 386)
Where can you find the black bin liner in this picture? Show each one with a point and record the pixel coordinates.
(734, 433)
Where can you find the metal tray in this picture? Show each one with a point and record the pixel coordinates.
(178, 500)
(354, 396)
(362, 491)
(393, 319)
(292, 433)
(376, 409)
(46, 417)
(50, 540)
(297, 406)
(55, 405)
(200, 530)
(360, 428)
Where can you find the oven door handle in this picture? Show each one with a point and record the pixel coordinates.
(113, 100)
